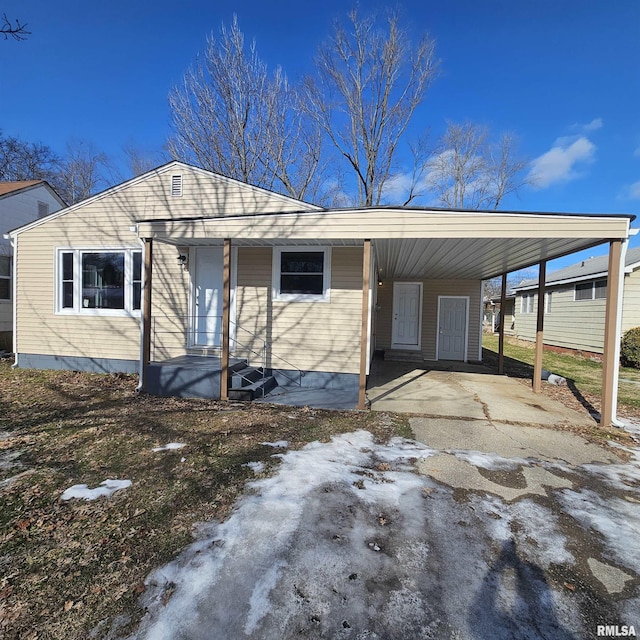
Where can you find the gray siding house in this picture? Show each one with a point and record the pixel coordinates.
(20, 203)
(574, 304)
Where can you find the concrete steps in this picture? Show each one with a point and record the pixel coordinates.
(249, 383)
(400, 355)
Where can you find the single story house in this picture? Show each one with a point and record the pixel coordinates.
(181, 266)
(574, 304)
(20, 203)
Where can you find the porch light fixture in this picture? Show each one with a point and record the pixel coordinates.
(182, 259)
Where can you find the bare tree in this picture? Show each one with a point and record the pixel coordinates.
(16, 29)
(140, 161)
(21, 160)
(232, 116)
(369, 82)
(81, 172)
(467, 171)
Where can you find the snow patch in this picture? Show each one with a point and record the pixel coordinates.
(170, 447)
(106, 489)
(490, 461)
(256, 467)
(618, 521)
(280, 444)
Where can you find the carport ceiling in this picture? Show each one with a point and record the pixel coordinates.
(467, 258)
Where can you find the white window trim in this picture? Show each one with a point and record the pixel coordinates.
(301, 297)
(524, 304)
(593, 291)
(10, 279)
(78, 309)
(547, 302)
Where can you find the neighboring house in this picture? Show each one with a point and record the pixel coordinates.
(155, 276)
(492, 312)
(574, 304)
(20, 203)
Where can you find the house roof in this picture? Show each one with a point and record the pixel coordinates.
(12, 187)
(8, 189)
(584, 270)
(173, 164)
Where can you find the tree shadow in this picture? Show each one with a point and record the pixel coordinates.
(515, 601)
(517, 369)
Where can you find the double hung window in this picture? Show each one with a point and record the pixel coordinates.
(301, 273)
(5, 277)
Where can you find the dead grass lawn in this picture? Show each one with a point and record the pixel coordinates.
(67, 566)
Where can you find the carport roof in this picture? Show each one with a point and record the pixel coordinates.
(409, 242)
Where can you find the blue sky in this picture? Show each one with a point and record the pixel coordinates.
(564, 75)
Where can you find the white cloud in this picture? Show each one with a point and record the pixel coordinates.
(560, 162)
(632, 192)
(594, 125)
(636, 153)
(396, 188)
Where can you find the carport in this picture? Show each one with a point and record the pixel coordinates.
(403, 244)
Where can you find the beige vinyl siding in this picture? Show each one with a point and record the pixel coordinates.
(311, 336)
(169, 304)
(631, 304)
(431, 289)
(573, 324)
(106, 223)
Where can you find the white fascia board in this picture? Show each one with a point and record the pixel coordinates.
(558, 283)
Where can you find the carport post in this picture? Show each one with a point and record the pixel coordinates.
(366, 283)
(226, 307)
(537, 363)
(146, 312)
(503, 303)
(611, 345)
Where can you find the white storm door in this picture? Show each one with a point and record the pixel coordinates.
(452, 328)
(407, 315)
(207, 297)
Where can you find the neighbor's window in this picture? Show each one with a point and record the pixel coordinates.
(594, 290)
(547, 302)
(301, 274)
(5, 277)
(99, 281)
(526, 303)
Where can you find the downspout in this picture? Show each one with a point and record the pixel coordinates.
(14, 293)
(140, 361)
(618, 338)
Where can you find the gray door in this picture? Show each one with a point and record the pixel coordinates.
(452, 328)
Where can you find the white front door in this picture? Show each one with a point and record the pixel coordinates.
(207, 297)
(452, 328)
(407, 315)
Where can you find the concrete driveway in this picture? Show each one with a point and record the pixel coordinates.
(471, 392)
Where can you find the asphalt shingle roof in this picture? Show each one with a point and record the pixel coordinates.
(583, 269)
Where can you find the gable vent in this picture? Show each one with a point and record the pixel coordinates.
(43, 209)
(176, 185)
